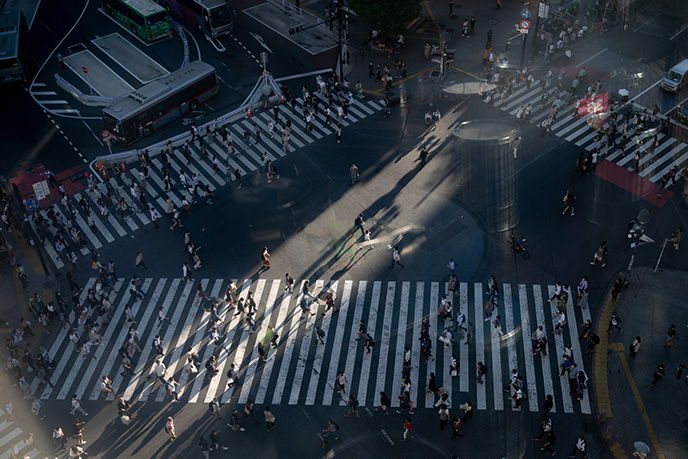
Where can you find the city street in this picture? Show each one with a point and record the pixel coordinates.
(490, 173)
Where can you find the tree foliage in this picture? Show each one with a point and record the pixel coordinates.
(389, 16)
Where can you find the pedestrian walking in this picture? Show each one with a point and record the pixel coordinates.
(614, 321)
(569, 202)
(106, 386)
(467, 408)
(359, 223)
(545, 427)
(353, 407)
(332, 429)
(601, 255)
(408, 430)
(550, 440)
(186, 272)
(396, 258)
(169, 428)
(162, 317)
(59, 437)
(481, 370)
(172, 389)
(385, 403)
(265, 257)
(423, 157)
(675, 238)
(367, 240)
(658, 375)
(353, 173)
(456, 428)
(76, 406)
(205, 447)
(289, 283)
(515, 146)
(670, 336)
(234, 422)
(340, 382)
(580, 447)
(269, 418)
(444, 416)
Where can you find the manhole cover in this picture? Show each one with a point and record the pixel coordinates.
(492, 21)
(435, 73)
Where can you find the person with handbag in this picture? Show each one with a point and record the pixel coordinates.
(454, 367)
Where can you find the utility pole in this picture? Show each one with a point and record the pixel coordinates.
(339, 42)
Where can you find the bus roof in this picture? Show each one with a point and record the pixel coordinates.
(157, 89)
(146, 7)
(9, 34)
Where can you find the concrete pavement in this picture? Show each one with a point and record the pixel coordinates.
(626, 407)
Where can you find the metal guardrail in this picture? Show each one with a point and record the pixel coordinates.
(86, 99)
(287, 5)
(131, 156)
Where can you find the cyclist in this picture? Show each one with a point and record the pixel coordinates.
(519, 244)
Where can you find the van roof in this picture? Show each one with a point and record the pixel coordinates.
(681, 67)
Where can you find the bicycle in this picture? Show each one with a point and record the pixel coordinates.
(521, 248)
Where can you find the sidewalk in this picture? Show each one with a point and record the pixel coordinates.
(627, 409)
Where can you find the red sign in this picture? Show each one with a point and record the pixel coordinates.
(592, 105)
(525, 24)
(84, 69)
(105, 134)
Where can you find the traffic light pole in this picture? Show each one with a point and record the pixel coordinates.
(523, 51)
(340, 55)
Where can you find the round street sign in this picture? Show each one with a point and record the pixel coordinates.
(525, 24)
(105, 134)
(525, 14)
(32, 204)
(84, 69)
(548, 36)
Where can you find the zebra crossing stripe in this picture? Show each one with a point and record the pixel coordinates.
(576, 348)
(546, 365)
(510, 334)
(353, 344)
(668, 167)
(337, 344)
(245, 335)
(527, 344)
(114, 354)
(417, 390)
(147, 348)
(480, 343)
(368, 359)
(384, 340)
(198, 337)
(57, 344)
(254, 359)
(316, 370)
(306, 339)
(496, 364)
(183, 380)
(79, 360)
(434, 300)
(401, 339)
(99, 351)
(559, 341)
(464, 369)
(281, 324)
(232, 327)
(266, 140)
(447, 381)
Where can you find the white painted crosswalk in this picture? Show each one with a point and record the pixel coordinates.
(302, 370)
(98, 229)
(14, 442)
(653, 164)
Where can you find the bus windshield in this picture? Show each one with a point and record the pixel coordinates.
(220, 16)
(157, 18)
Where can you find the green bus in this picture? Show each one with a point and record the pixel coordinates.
(144, 18)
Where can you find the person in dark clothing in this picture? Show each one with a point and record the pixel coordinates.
(657, 376)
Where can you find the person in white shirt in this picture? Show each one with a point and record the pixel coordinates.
(76, 406)
(160, 370)
(446, 337)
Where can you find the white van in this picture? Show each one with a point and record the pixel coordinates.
(676, 77)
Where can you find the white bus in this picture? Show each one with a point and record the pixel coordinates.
(161, 101)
